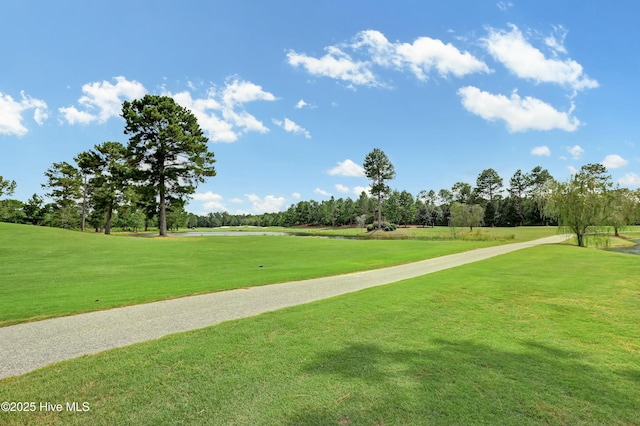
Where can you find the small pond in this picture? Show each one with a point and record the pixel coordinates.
(228, 234)
(256, 233)
(635, 249)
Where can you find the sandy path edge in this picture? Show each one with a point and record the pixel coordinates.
(27, 347)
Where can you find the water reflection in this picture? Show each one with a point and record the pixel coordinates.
(634, 249)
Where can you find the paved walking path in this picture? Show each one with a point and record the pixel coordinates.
(26, 347)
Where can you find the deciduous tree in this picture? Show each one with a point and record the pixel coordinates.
(466, 215)
(582, 204)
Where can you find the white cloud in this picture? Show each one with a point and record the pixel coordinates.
(520, 57)
(11, 113)
(342, 189)
(239, 92)
(614, 161)
(557, 46)
(204, 109)
(335, 64)
(303, 104)
(220, 113)
(102, 100)
(236, 200)
(629, 180)
(354, 62)
(41, 112)
(504, 5)
(291, 127)
(359, 189)
(520, 114)
(321, 192)
(576, 151)
(421, 56)
(210, 202)
(296, 195)
(268, 204)
(347, 168)
(542, 151)
(72, 115)
(572, 170)
(244, 120)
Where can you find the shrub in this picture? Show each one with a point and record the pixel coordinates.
(384, 226)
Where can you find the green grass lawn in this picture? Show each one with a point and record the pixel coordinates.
(49, 272)
(547, 335)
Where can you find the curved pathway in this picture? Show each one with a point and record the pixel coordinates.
(26, 347)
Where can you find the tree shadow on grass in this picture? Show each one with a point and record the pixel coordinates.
(464, 382)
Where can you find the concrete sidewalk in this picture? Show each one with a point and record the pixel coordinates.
(26, 347)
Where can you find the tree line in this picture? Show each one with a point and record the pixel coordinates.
(586, 203)
(145, 182)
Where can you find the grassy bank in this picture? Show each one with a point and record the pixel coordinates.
(546, 335)
(49, 272)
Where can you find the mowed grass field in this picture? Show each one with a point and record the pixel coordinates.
(47, 272)
(547, 335)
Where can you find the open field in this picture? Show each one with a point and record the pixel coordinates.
(543, 335)
(51, 272)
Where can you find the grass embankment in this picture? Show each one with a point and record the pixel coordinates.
(49, 272)
(543, 335)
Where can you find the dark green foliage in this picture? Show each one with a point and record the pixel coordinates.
(168, 150)
(382, 226)
(7, 186)
(379, 170)
(65, 188)
(110, 174)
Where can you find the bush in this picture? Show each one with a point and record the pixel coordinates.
(384, 226)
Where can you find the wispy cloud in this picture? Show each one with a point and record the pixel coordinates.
(335, 64)
(303, 104)
(291, 127)
(511, 49)
(504, 5)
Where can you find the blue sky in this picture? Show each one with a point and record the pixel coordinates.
(293, 95)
